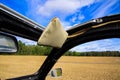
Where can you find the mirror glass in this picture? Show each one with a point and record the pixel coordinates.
(56, 72)
(7, 44)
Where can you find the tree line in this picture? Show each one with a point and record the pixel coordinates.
(93, 53)
(32, 49)
(42, 50)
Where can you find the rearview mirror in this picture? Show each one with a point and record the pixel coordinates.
(8, 44)
(56, 72)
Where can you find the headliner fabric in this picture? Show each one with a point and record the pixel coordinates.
(54, 35)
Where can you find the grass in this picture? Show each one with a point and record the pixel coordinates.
(74, 68)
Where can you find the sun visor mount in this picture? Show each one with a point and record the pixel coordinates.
(54, 35)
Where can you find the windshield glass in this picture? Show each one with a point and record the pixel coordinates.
(94, 60)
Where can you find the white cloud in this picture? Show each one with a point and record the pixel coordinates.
(43, 11)
(26, 41)
(81, 17)
(77, 17)
(104, 9)
(100, 45)
(74, 19)
(63, 7)
(66, 25)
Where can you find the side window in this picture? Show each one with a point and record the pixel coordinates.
(95, 60)
(105, 47)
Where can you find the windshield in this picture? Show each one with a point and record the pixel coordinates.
(26, 61)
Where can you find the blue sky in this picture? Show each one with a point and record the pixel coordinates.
(70, 12)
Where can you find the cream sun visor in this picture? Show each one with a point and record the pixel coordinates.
(54, 35)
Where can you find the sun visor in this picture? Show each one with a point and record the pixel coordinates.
(54, 35)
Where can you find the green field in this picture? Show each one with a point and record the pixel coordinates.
(74, 68)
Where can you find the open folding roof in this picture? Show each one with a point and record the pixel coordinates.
(14, 23)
